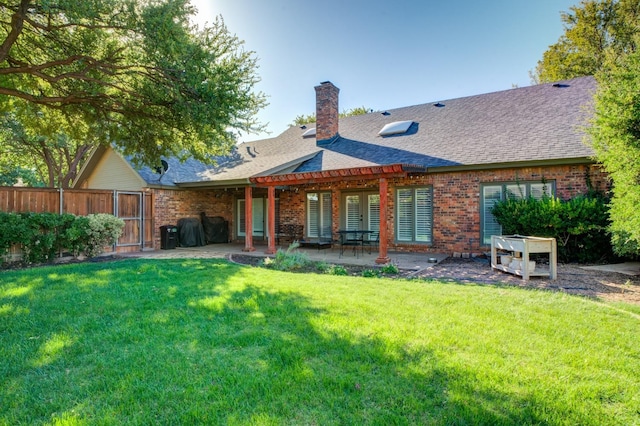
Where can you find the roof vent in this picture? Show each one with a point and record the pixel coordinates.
(309, 133)
(438, 105)
(385, 113)
(395, 128)
(561, 85)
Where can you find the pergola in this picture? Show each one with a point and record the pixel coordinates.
(382, 173)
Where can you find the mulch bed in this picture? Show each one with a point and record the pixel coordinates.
(572, 279)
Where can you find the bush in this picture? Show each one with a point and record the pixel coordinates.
(289, 260)
(390, 269)
(337, 270)
(579, 225)
(75, 237)
(371, 273)
(41, 236)
(103, 230)
(13, 230)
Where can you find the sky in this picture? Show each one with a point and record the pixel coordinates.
(386, 54)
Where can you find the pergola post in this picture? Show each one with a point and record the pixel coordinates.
(271, 219)
(248, 219)
(382, 247)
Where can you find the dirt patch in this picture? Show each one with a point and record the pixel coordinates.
(572, 279)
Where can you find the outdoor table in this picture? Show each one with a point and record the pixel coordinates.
(352, 238)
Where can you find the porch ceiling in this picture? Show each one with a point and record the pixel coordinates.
(369, 172)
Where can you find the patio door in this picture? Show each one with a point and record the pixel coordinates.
(361, 210)
(259, 217)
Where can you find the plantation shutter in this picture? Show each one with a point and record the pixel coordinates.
(325, 218)
(313, 214)
(490, 196)
(353, 212)
(373, 202)
(405, 215)
(423, 217)
(318, 214)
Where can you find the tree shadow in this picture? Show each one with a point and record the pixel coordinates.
(222, 350)
(376, 154)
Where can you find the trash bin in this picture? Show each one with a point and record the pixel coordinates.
(168, 237)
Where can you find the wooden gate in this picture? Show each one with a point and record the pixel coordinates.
(135, 208)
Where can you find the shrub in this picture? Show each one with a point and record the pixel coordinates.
(38, 236)
(103, 230)
(41, 236)
(371, 273)
(337, 270)
(579, 225)
(390, 269)
(13, 228)
(74, 237)
(288, 260)
(322, 267)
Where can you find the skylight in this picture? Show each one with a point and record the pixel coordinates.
(309, 133)
(395, 128)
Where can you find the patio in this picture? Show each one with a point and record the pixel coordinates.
(411, 261)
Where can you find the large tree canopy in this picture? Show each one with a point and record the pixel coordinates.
(133, 73)
(615, 135)
(601, 39)
(594, 31)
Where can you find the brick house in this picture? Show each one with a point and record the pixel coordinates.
(424, 177)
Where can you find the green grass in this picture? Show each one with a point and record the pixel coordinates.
(209, 342)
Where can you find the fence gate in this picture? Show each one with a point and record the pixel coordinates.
(129, 208)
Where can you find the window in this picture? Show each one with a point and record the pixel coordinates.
(414, 215)
(259, 211)
(492, 193)
(319, 214)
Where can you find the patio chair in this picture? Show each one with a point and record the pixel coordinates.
(372, 241)
(345, 241)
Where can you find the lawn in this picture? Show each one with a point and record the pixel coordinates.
(210, 342)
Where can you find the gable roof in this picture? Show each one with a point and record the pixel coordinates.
(539, 124)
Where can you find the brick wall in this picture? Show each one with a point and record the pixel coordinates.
(171, 205)
(456, 201)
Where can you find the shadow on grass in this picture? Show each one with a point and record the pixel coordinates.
(205, 341)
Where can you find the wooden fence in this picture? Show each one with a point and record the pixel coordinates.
(135, 208)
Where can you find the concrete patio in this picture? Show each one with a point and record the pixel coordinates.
(411, 261)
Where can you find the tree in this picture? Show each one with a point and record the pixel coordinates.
(135, 74)
(53, 147)
(615, 137)
(311, 118)
(594, 30)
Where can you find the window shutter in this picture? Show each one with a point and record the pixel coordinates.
(325, 219)
(373, 201)
(312, 214)
(405, 215)
(353, 212)
(490, 196)
(423, 215)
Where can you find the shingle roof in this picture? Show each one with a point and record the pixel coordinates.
(536, 123)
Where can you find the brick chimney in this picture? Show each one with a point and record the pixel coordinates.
(326, 112)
